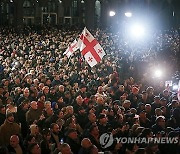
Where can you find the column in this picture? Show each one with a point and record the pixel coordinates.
(18, 13)
(104, 13)
(90, 14)
(60, 13)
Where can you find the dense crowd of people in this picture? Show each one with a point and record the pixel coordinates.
(52, 104)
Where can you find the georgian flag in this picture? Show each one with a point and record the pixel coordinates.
(71, 49)
(90, 48)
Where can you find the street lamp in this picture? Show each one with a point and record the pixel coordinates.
(128, 14)
(112, 13)
(137, 30)
(158, 73)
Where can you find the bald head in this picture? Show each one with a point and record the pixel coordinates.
(61, 88)
(34, 105)
(26, 92)
(14, 141)
(65, 148)
(86, 143)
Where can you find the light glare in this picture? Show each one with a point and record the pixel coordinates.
(175, 87)
(137, 30)
(112, 13)
(128, 14)
(158, 73)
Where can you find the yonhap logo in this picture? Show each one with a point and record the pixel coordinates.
(106, 140)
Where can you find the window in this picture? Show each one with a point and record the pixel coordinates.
(28, 8)
(51, 6)
(6, 11)
(74, 8)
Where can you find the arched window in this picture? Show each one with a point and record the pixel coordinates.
(74, 8)
(28, 8)
(6, 12)
(51, 6)
(27, 4)
(6, 7)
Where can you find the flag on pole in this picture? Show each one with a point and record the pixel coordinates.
(71, 49)
(178, 93)
(90, 48)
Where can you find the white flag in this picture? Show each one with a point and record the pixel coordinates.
(90, 48)
(71, 49)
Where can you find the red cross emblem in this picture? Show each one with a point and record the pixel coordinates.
(87, 34)
(90, 47)
(99, 50)
(90, 59)
(71, 47)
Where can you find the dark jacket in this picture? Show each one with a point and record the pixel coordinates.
(52, 119)
(7, 130)
(2, 118)
(75, 145)
(156, 128)
(173, 122)
(44, 147)
(12, 150)
(22, 119)
(32, 115)
(94, 141)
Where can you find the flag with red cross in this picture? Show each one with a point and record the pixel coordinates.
(72, 48)
(90, 48)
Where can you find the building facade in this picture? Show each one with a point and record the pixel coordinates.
(92, 13)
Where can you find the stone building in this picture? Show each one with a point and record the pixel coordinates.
(92, 13)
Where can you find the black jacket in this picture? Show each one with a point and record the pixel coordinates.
(45, 147)
(156, 128)
(2, 118)
(21, 114)
(75, 145)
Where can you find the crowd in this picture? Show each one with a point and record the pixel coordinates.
(52, 104)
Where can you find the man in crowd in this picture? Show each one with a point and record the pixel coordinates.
(41, 65)
(8, 128)
(14, 146)
(33, 114)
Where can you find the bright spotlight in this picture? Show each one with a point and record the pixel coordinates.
(175, 87)
(158, 73)
(137, 30)
(128, 14)
(112, 13)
